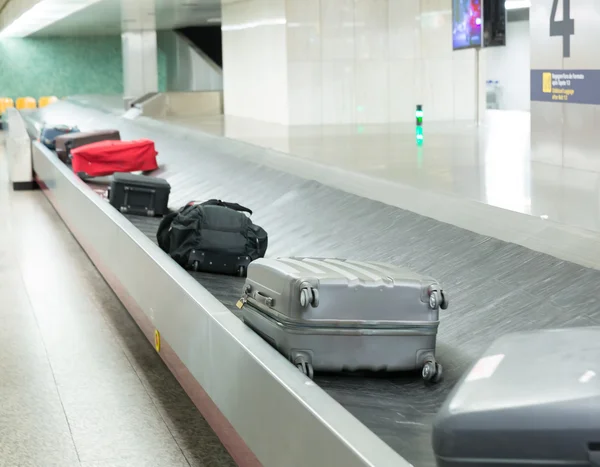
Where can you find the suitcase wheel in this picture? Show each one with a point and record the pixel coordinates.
(445, 300)
(438, 299)
(432, 372)
(241, 271)
(305, 368)
(433, 300)
(315, 298)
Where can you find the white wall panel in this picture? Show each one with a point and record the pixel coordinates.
(436, 29)
(438, 90)
(371, 29)
(403, 89)
(305, 92)
(337, 29)
(255, 60)
(338, 92)
(377, 59)
(464, 82)
(509, 66)
(304, 30)
(372, 99)
(404, 29)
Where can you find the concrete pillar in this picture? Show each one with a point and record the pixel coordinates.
(312, 62)
(255, 74)
(565, 79)
(138, 39)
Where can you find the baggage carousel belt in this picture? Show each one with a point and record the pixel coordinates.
(494, 287)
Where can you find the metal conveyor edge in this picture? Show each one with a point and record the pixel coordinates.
(264, 410)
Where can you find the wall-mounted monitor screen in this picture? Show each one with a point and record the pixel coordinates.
(494, 23)
(466, 24)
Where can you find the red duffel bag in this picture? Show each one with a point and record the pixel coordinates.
(108, 157)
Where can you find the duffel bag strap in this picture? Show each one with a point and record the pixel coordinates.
(218, 202)
(164, 229)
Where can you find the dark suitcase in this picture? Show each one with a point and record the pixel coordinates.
(65, 143)
(139, 194)
(214, 236)
(533, 399)
(336, 314)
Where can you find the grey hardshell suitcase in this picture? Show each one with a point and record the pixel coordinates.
(335, 314)
(532, 399)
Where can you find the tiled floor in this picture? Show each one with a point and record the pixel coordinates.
(79, 383)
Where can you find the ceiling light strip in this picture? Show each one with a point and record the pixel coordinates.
(517, 4)
(43, 14)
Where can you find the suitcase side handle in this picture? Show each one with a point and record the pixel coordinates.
(264, 299)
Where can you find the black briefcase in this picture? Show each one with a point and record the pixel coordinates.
(139, 194)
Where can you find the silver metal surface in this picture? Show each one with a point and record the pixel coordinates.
(18, 148)
(249, 381)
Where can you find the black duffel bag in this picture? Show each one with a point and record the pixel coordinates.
(214, 236)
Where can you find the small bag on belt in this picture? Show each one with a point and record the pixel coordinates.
(214, 236)
(139, 194)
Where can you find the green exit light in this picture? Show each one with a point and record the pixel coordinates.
(419, 135)
(419, 115)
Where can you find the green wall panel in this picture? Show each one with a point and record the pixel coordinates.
(64, 66)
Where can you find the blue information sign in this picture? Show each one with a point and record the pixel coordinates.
(566, 86)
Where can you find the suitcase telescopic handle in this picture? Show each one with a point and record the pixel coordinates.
(264, 299)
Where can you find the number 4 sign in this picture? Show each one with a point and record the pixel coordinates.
(564, 28)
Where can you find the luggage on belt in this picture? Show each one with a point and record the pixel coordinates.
(335, 314)
(67, 142)
(214, 236)
(108, 157)
(139, 194)
(532, 399)
(49, 134)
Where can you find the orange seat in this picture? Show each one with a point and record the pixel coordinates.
(46, 100)
(5, 103)
(26, 103)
